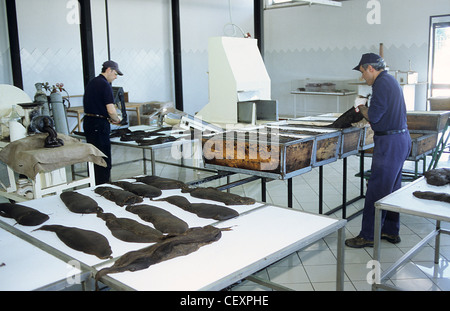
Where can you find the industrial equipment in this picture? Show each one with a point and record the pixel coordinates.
(239, 85)
(119, 101)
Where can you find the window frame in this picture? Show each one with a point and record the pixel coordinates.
(436, 22)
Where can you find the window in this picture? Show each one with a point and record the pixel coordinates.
(439, 57)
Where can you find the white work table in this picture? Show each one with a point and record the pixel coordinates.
(404, 202)
(25, 267)
(184, 145)
(260, 236)
(257, 239)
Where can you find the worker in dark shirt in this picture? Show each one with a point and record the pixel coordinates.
(392, 143)
(99, 112)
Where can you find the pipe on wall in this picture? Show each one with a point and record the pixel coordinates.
(87, 43)
(13, 32)
(176, 30)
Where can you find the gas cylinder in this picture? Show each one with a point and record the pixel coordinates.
(59, 112)
(41, 97)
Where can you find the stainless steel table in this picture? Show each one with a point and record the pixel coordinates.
(260, 236)
(403, 201)
(183, 141)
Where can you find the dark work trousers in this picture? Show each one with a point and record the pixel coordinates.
(390, 153)
(97, 133)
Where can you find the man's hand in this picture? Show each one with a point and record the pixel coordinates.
(358, 102)
(113, 116)
(116, 121)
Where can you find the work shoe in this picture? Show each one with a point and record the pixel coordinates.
(394, 239)
(358, 242)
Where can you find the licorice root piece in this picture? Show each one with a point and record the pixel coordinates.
(79, 203)
(178, 200)
(161, 219)
(130, 230)
(212, 211)
(147, 191)
(171, 247)
(118, 196)
(161, 182)
(203, 210)
(210, 193)
(155, 141)
(438, 176)
(24, 215)
(86, 241)
(430, 195)
(347, 119)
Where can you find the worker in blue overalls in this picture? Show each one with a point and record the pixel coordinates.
(386, 114)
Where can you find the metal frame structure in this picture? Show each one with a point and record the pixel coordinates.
(402, 201)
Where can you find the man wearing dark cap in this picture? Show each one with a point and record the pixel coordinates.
(99, 111)
(392, 143)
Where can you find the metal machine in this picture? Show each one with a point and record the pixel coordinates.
(239, 85)
(119, 101)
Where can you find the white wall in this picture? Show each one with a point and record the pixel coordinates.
(300, 42)
(140, 38)
(321, 42)
(140, 42)
(49, 46)
(200, 20)
(5, 59)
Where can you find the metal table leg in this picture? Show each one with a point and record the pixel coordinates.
(263, 189)
(376, 247)
(152, 151)
(340, 260)
(290, 192)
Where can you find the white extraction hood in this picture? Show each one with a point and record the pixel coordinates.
(236, 74)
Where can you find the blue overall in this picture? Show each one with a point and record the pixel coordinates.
(387, 115)
(98, 94)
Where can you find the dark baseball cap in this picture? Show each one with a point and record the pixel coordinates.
(113, 65)
(368, 58)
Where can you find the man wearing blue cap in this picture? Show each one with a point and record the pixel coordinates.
(392, 143)
(99, 111)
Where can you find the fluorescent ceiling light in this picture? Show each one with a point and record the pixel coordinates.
(285, 3)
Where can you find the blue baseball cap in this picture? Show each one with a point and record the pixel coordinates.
(113, 65)
(368, 58)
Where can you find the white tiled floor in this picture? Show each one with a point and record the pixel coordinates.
(313, 269)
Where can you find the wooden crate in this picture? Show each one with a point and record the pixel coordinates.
(327, 148)
(258, 152)
(422, 143)
(367, 138)
(439, 103)
(427, 120)
(350, 137)
(350, 141)
(327, 141)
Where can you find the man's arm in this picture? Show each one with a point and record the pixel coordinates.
(364, 110)
(115, 119)
(360, 106)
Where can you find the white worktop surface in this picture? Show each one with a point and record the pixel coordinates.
(403, 201)
(259, 237)
(27, 267)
